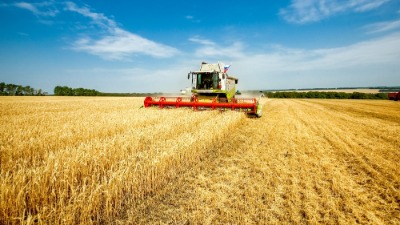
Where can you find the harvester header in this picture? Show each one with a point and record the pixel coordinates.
(213, 89)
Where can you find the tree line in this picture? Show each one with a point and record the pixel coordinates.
(326, 95)
(68, 91)
(19, 90)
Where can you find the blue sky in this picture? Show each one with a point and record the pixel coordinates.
(150, 46)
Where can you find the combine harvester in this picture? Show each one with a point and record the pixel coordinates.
(212, 89)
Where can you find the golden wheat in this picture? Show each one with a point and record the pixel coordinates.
(84, 160)
(68, 160)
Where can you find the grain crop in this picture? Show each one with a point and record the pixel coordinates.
(92, 160)
(84, 160)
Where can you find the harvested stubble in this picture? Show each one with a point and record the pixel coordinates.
(85, 160)
(94, 160)
(303, 162)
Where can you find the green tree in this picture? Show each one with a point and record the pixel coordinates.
(2, 88)
(63, 91)
(11, 89)
(67, 91)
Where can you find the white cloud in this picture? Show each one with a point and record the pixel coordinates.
(362, 63)
(384, 50)
(121, 44)
(192, 19)
(383, 26)
(379, 51)
(201, 41)
(107, 41)
(308, 11)
(366, 63)
(211, 50)
(138, 79)
(116, 43)
(39, 9)
(27, 6)
(97, 18)
(369, 5)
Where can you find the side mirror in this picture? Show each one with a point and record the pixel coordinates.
(189, 75)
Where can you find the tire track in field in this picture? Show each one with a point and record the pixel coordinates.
(376, 177)
(364, 144)
(218, 189)
(322, 194)
(295, 165)
(291, 166)
(365, 132)
(388, 111)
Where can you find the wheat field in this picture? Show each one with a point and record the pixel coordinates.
(87, 160)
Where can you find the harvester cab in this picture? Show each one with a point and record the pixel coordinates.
(212, 89)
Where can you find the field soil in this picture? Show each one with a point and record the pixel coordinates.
(107, 161)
